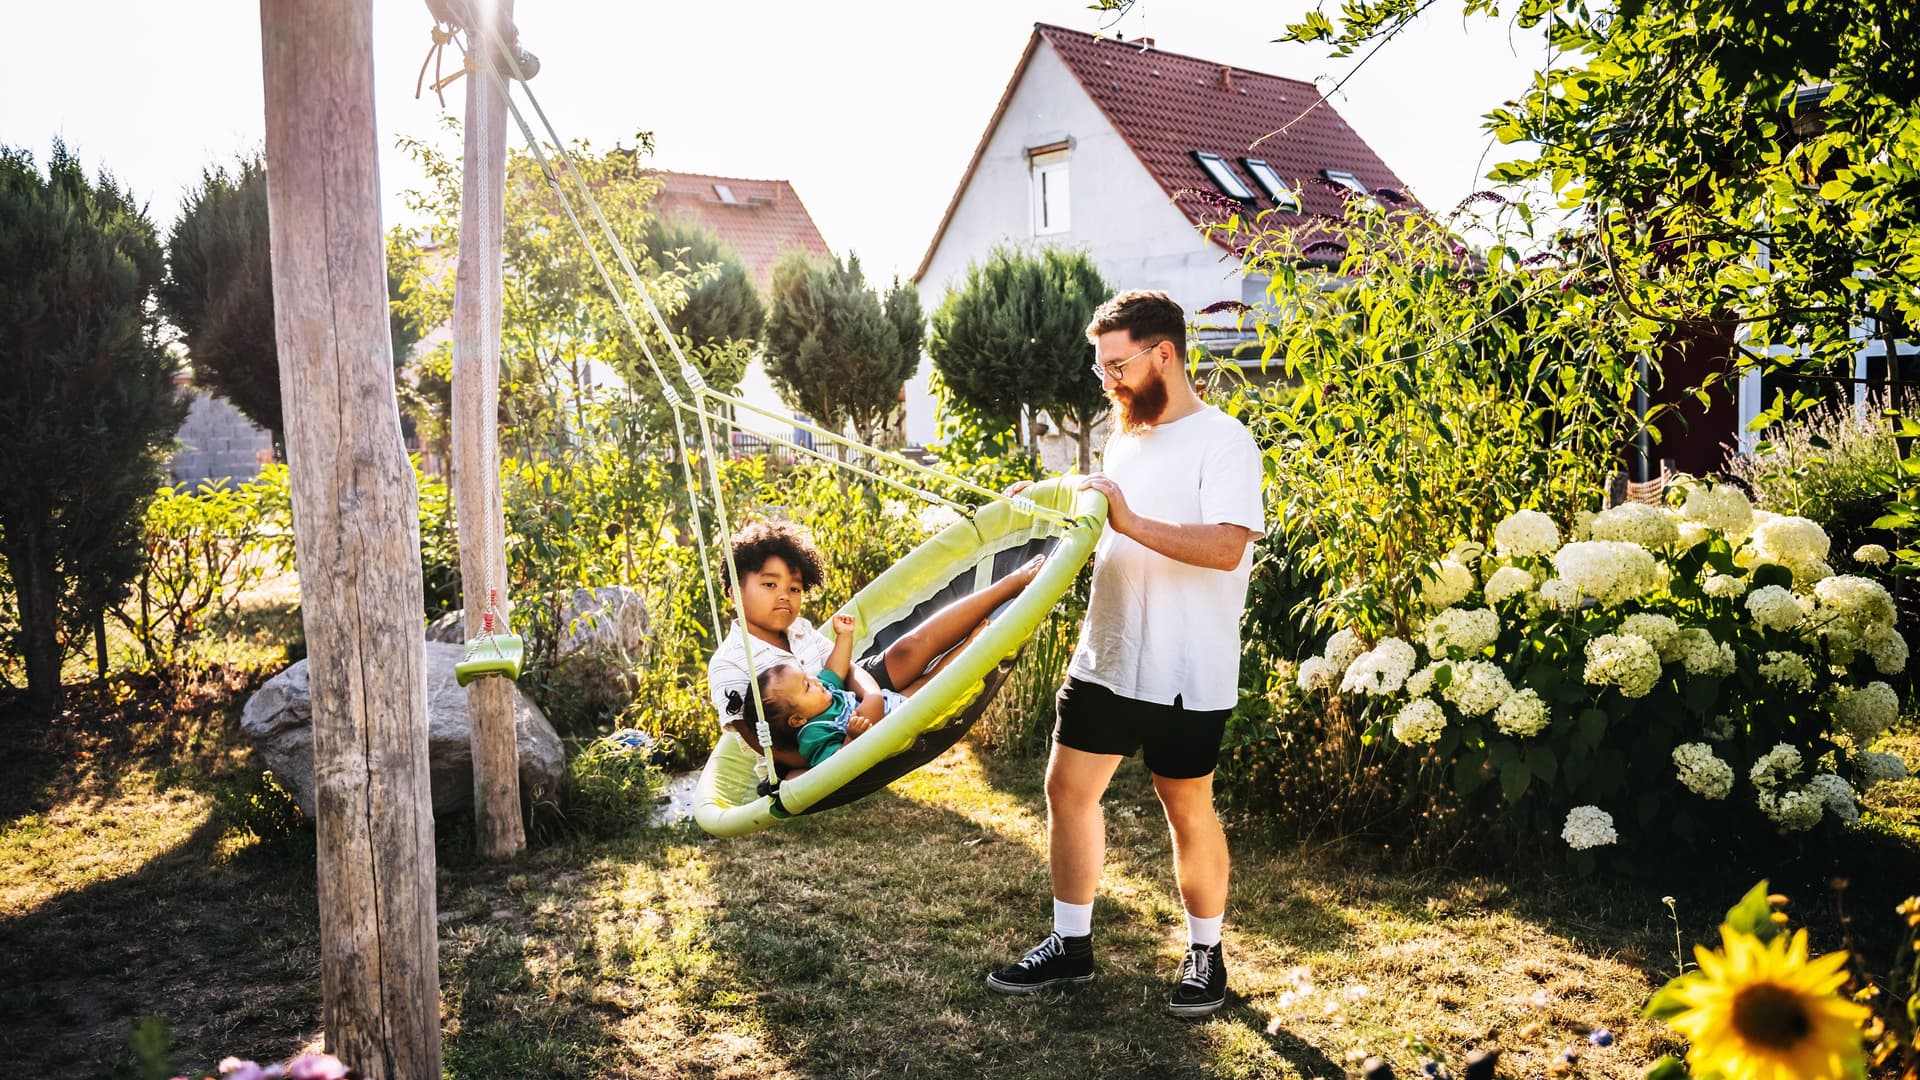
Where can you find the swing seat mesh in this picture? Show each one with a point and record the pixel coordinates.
(958, 560)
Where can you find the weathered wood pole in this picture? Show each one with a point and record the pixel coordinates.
(356, 534)
(476, 438)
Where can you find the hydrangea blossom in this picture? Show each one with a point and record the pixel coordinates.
(1866, 713)
(1478, 687)
(1724, 586)
(1588, 827)
(1635, 523)
(1506, 583)
(1888, 649)
(1524, 713)
(1317, 673)
(1862, 603)
(1420, 683)
(1610, 571)
(1380, 670)
(1342, 648)
(1450, 584)
(1525, 533)
(1790, 541)
(1692, 535)
(1559, 595)
(1623, 660)
(1787, 669)
(1722, 508)
(1775, 767)
(1660, 631)
(1774, 607)
(1701, 771)
(1468, 630)
(1873, 768)
(1700, 654)
(1871, 555)
(1836, 795)
(1420, 722)
(1796, 810)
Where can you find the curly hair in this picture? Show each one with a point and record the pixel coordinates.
(754, 544)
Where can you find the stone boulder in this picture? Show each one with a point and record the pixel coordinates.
(607, 619)
(279, 720)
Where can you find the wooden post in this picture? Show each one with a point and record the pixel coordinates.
(476, 439)
(356, 541)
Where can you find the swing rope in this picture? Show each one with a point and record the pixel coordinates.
(701, 392)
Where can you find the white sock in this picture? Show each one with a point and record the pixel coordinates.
(1204, 931)
(1074, 920)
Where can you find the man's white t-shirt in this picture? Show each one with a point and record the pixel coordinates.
(1156, 628)
(728, 669)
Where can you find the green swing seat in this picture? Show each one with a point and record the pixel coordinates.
(491, 654)
(729, 799)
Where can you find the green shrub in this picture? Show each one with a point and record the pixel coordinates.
(256, 803)
(608, 790)
(1666, 676)
(1020, 720)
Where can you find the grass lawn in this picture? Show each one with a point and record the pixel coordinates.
(851, 945)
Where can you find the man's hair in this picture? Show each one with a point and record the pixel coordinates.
(753, 545)
(1147, 317)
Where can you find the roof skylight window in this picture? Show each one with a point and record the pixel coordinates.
(1269, 181)
(1346, 180)
(1223, 175)
(726, 194)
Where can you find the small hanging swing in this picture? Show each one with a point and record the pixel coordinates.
(494, 652)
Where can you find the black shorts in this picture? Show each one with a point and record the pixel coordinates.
(1176, 742)
(876, 666)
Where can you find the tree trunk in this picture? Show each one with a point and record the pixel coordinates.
(476, 442)
(39, 599)
(356, 541)
(1084, 436)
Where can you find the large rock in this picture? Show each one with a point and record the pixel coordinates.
(610, 618)
(279, 720)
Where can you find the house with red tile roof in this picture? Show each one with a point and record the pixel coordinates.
(759, 219)
(1127, 151)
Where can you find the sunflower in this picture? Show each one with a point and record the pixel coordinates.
(1763, 1011)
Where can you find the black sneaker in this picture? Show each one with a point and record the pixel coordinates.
(1056, 961)
(1202, 988)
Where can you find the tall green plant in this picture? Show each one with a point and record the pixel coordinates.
(1433, 397)
(87, 401)
(835, 350)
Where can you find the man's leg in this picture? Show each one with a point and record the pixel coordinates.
(907, 658)
(1199, 844)
(1076, 832)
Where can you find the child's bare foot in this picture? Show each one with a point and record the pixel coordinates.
(1028, 571)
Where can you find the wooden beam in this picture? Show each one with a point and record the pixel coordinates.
(476, 439)
(356, 541)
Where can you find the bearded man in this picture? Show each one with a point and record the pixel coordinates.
(1157, 667)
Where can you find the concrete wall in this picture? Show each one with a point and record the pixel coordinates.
(1119, 214)
(217, 441)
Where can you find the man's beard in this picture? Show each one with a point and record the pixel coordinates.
(1139, 409)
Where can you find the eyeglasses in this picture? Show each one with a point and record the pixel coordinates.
(1115, 370)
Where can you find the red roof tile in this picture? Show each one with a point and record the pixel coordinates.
(765, 218)
(1167, 106)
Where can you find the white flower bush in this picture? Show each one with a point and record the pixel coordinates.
(1709, 627)
(1871, 555)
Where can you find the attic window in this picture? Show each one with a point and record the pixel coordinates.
(1270, 182)
(1223, 175)
(1051, 209)
(726, 194)
(1346, 180)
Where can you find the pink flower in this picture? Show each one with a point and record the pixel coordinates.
(316, 1067)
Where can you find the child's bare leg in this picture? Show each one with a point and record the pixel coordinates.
(907, 658)
(948, 657)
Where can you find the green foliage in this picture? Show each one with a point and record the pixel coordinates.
(977, 448)
(255, 803)
(721, 305)
(1020, 720)
(88, 402)
(1431, 397)
(608, 790)
(558, 319)
(835, 350)
(202, 550)
(152, 1048)
(1011, 340)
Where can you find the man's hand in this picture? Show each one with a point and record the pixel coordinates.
(843, 625)
(1017, 487)
(1120, 516)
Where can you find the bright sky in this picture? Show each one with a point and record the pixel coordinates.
(871, 109)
